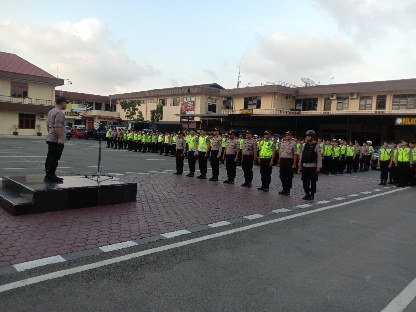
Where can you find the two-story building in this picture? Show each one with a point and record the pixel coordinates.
(89, 109)
(358, 111)
(27, 93)
(180, 104)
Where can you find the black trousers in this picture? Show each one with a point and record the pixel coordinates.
(230, 166)
(266, 172)
(248, 168)
(384, 170)
(179, 161)
(130, 145)
(403, 173)
(203, 163)
(334, 165)
(215, 164)
(160, 144)
(349, 161)
(309, 178)
(326, 164)
(356, 162)
(54, 155)
(191, 161)
(412, 176)
(108, 142)
(341, 165)
(393, 173)
(167, 146)
(286, 173)
(363, 163)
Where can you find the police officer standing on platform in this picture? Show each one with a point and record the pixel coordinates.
(180, 153)
(310, 162)
(287, 160)
(249, 152)
(267, 152)
(216, 152)
(231, 157)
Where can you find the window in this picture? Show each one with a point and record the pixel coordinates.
(366, 103)
(113, 107)
(163, 102)
(342, 103)
(252, 102)
(174, 101)
(98, 106)
(212, 107)
(212, 100)
(306, 104)
(188, 99)
(381, 102)
(151, 100)
(19, 90)
(404, 101)
(142, 102)
(107, 107)
(27, 121)
(327, 104)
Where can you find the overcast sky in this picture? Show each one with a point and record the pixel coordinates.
(107, 47)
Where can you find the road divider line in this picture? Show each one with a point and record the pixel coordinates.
(119, 259)
(403, 299)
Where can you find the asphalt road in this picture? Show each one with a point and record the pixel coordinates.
(355, 257)
(27, 156)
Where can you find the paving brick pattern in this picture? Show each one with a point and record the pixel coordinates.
(165, 203)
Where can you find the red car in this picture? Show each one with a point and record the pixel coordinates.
(78, 133)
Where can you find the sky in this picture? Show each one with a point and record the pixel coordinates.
(111, 47)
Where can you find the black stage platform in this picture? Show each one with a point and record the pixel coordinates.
(29, 194)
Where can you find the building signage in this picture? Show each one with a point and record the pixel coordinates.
(405, 121)
(247, 111)
(187, 108)
(72, 114)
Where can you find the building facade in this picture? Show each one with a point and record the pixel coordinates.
(89, 109)
(27, 93)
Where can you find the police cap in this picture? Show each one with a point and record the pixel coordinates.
(288, 133)
(267, 132)
(310, 133)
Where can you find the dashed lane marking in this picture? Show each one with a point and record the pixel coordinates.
(175, 233)
(253, 216)
(118, 246)
(218, 224)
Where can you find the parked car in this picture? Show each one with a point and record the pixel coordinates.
(90, 134)
(68, 132)
(78, 133)
(96, 134)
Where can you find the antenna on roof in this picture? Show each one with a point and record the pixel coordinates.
(239, 76)
(308, 82)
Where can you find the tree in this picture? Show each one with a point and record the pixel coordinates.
(131, 107)
(139, 116)
(157, 114)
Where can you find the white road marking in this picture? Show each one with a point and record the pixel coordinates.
(98, 264)
(339, 198)
(323, 202)
(253, 216)
(118, 246)
(37, 263)
(22, 168)
(154, 159)
(175, 233)
(218, 224)
(403, 299)
(115, 174)
(367, 192)
(353, 195)
(377, 190)
(281, 210)
(304, 206)
(21, 156)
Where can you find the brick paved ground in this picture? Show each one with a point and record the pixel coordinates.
(165, 203)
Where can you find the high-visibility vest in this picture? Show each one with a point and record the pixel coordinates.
(224, 142)
(107, 133)
(129, 136)
(266, 149)
(343, 149)
(135, 137)
(191, 142)
(174, 139)
(384, 154)
(148, 138)
(160, 138)
(124, 136)
(328, 150)
(414, 155)
(350, 151)
(154, 138)
(241, 141)
(202, 144)
(370, 150)
(336, 151)
(403, 154)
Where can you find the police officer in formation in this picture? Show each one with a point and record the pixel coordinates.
(249, 155)
(231, 157)
(180, 153)
(267, 153)
(215, 152)
(288, 155)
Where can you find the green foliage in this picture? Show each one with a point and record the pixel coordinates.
(157, 114)
(139, 116)
(131, 107)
